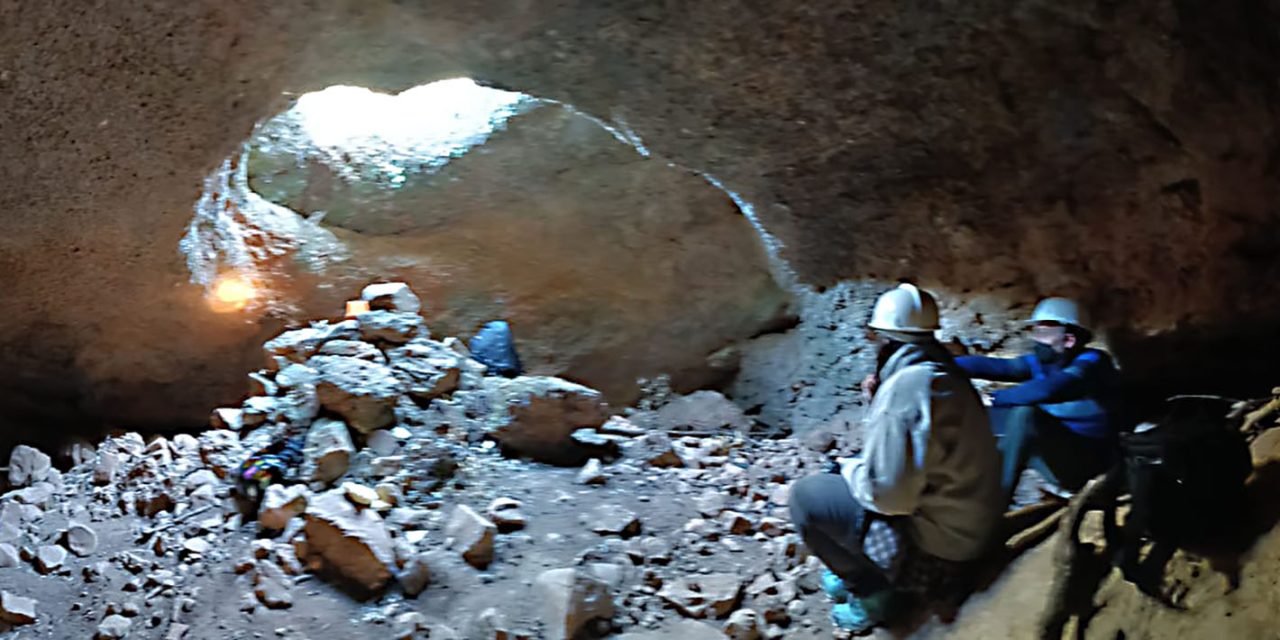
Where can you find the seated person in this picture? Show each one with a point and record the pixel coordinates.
(1063, 419)
(900, 521)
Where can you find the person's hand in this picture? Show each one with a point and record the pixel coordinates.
(869, 385)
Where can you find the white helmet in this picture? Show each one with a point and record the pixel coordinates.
(1060, 310)
(905, 309)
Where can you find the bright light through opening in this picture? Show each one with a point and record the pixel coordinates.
(231, 293)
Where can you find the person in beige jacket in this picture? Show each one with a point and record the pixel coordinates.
(900, 520)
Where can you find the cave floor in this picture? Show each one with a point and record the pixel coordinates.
(205, 596)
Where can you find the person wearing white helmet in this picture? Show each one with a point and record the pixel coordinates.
(1063, 418)
(899, 521)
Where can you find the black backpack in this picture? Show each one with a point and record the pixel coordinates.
(1186, 473)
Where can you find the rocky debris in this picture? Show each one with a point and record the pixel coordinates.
(353, 349)
(614, 520)
(10, 522)
(743, 624)
(364, 496)
(505, 513)
(280, 504)
(352, 542)
(17, 610)
(655, 450)
(592, 473)
(701, 412)
(28, 465)
(298, 345)
(571, 599)
(428, 369)
(536, 417)
(391, 296)
(114, 627)
(714, 595)
(327, 451)
(472, 535)
(363, 393)
(391, 327)
(682, 630)
(620, 426)
(271, 586)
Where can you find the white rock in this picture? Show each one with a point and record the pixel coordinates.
(17, 610)
(114, 627)
(271, 586)
(570, 600)
(108, 465)
(416, 574)
(280, 504)
(360, 494)
(382, 443)
(391, 296)
(28, 465)
(391, 326)
(505, 513)
(81, 539)
(743, 624)
(8, 556)
(614, 520)
(353, 349)
(230, 418)
(472, 535)
(591, 473)
(327, 452)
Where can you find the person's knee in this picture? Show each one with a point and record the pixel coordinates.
(810, 494)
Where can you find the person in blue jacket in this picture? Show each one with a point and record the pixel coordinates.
(1064, 418)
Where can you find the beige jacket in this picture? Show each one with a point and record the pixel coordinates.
(929, 455)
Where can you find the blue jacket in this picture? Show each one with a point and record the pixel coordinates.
(1083, 394)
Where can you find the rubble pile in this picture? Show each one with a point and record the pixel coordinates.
(397, 491)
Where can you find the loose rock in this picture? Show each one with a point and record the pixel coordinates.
(280, 504)
(536, 417)
(352, 542)
(17, 610)
(81, 539)
(570, 600)
(114, 627)
(28, 465)
(713, 595)
(391, 296)
(362, 392)
(473, 535)
(592, 473)
(327, 452)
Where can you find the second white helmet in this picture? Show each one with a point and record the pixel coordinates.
(1060, 310)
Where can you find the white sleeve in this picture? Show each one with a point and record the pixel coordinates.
(888, 477)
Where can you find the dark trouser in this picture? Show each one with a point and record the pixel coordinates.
(832, 524)
(1031, 437)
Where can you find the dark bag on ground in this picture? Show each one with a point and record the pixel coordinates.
(1186, 473)
(495, 347)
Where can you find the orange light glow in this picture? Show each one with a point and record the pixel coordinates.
(357, 307)
(231, 293)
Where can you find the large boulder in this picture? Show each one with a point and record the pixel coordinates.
(536, 416)
(362, 392)
(349, 542)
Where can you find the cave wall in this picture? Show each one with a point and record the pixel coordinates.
(1123, 152)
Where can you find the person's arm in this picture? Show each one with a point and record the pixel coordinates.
(1070, 383)
(888, 477)
(998, 369)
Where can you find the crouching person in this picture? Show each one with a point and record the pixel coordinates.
(898, 523)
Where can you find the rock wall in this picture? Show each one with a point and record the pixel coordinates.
(1123, 152)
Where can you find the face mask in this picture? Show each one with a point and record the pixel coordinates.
(885, 352)
(1045, 353)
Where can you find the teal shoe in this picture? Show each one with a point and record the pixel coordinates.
(861, 615)
(833, 586)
